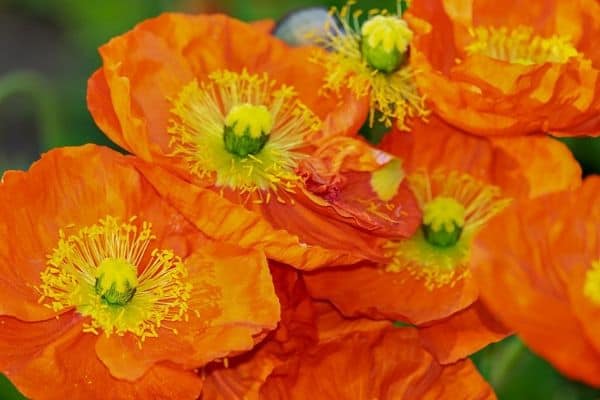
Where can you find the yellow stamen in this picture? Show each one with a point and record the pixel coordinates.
(106, 273)
(394, 94)
(520, 46)
(469, 203)
(591, 286)
(202, 112)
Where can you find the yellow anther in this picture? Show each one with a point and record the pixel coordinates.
(591, 286)
(520, 46)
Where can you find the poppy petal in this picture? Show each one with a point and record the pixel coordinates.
(532, 284)
(368, 291)
(462, 334)
(385, 363)
(69, 368)
(226, 221)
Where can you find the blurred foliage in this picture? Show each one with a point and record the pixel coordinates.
(517, 373)
(7, 390)
(53, 47)
(57, 48)
(587, 152)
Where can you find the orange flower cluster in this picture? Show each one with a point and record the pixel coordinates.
(253, 245)
(509, 68)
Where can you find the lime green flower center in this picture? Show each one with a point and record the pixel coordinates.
(116, 281)
(384, 42)
(443, 221)
(247, 129)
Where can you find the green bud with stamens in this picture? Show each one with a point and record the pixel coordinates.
(247, 129)
(384, 42)
(443, 221)
(116, 281)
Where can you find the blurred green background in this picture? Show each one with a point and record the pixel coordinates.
(47, 52)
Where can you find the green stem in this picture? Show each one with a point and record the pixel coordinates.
(402, 7)
(506, 362)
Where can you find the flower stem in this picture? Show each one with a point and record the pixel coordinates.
(506, 361)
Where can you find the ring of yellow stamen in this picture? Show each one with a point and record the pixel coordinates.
(106, 272)
(520, 46)
(244, 130)
(591, 285)
(353, 63)
(448, 200)
(443, 221)
(384, 42)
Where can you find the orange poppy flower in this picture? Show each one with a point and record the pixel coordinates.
(108, 292)
(460, 181)
(370, 59)
(499, 68)
(303, 357)
(221, 110)
(543, 279)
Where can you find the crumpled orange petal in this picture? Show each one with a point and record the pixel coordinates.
(316, 350)
(69, 369)
(534, 285)
(243, 376)
(385, 364)
(462, 334)
(227, 221)
(365, 290)
(344, 179)
(543, 165)
(487, 96)
(308, 231)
